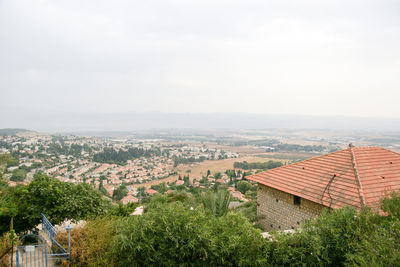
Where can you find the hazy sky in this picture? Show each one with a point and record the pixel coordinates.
(271, 57)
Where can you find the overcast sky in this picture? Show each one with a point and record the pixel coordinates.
(269, 57)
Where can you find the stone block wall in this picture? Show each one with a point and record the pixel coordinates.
(282, 211)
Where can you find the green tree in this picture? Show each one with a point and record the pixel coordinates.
(8, 161)
(217, 175)
(120, 193)
(175, 235)
(56, 199)
(160, 188)
(258, 165)
(243, 186)
(216, 202)
(18, 175)
(8, 209)
(102, 189)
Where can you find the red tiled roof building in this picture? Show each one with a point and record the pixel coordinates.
(356, 177)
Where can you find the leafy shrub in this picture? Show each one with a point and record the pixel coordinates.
(57, 200)
(249, 210)
(18, 175)
(235, 242)
(379, 248)
(166, 236)
(341, 237)
(91, 245)
(7, 241)
(244, 186)
(123, 210)
(172, 233)
(216, 203)
(391, 205)
(177, 235)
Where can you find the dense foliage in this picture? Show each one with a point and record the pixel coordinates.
(6, 160)
(169, 234)
(257, 165)
(92, 243)
(182, 160)
(175, 230)
(119, 193)
(177, 235)
(244, 186)
(73, 149)
(342, 237)
(56, 199)
(216, 203)
(7, 241)
(110, 155)
(18, 175)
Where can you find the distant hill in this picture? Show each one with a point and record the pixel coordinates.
(133, 121)
(12, 131)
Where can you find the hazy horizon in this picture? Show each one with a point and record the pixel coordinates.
(133, 121)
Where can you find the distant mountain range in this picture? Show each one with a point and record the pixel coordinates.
(12, 131)
(64, 122)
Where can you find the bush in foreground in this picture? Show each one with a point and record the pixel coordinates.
(177, 235)
(57, 200)
(92, 243)
(172, 233)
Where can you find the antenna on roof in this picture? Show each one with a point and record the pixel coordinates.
(328, 186)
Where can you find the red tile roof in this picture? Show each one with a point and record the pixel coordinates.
(129, 199)
(150, 191)
(180, 182)
(356, 176)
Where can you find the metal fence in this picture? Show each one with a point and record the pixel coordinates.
(32, 248)
(58, 252)
(31, 251)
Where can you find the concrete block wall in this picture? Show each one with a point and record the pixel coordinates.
(280, 210)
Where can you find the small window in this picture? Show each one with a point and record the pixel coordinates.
(297, 200)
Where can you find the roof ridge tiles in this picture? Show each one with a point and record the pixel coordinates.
(360, 189)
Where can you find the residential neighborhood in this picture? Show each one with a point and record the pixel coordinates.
(71, 158)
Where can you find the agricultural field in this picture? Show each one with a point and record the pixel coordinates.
(197, 170)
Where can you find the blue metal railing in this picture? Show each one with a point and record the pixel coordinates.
(48, 228)
(51, 232)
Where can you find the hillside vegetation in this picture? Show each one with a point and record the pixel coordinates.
(258, 165)
(197, 229)
(172, 232)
